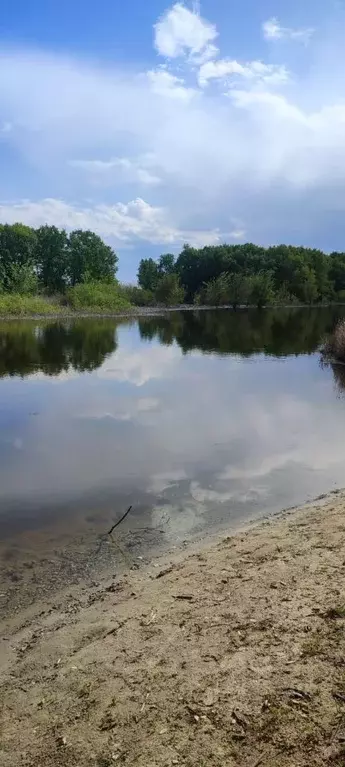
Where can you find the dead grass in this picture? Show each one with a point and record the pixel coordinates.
(334, 347)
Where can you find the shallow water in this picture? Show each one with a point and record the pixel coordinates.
(197, 419)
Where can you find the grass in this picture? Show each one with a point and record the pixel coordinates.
(16, 305)
(97, 297)
(334, 347)
(92, 297)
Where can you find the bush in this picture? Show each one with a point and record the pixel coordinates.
(16, 305)
(138, 296)
(169, 291)
(335, 344)
(22, 279)
(98, 296)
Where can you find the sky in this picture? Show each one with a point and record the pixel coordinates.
(156, 124)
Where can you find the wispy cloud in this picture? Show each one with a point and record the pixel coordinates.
(273, 30)
(131, 170)
(254, 71)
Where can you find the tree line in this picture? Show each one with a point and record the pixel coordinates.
(247, 274)
(51, 260)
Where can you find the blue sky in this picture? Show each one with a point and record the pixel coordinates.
(156, 124)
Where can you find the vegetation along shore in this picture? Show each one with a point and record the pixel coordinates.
(230, 652)
(47, 271)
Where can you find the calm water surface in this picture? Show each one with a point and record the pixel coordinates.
(197, 419)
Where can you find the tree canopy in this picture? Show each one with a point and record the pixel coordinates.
(250, 274)
(51, 259)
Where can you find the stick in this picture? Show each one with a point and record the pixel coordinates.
(119, 522)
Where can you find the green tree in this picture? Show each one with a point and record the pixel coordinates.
(17, 248)
(89, 258)
(148, 274)
(166, 264)
(22, 278)
(52, 258)
(169, 291)
(261, 289)
(239, 290)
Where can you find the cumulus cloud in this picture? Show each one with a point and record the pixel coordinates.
(181, 31)
(273, 30)
(169, 86)
(205, 140)
(135, 219)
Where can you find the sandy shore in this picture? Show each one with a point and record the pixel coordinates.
(230, 653)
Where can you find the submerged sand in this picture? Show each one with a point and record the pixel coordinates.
(229, 653)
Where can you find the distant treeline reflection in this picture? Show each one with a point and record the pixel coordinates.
(277, 332)
(27, 348)
(84, 345)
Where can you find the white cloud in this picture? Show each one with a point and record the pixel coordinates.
(169, 86)
(273, 30)
(181, 31)
(261, 149)
(254, 71)
(129, 169)
(122, 221)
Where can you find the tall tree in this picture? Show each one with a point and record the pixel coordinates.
(166, 264)
(89, 258)
(17, 249)
(148, 274)
(52, 258)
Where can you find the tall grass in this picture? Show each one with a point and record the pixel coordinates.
(335, 345)
(97, 297)
(16, 305)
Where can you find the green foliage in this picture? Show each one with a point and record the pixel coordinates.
(216, 291)
(169, 291)
(148, 274)
(89, 258)
(138, 296)
(166, 264)
(14, 304)
(98, 296)
(17, 249)
(261, 289)
(22, 279)
(52, 258)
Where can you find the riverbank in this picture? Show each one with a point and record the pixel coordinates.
(38, 309)
(231, 652)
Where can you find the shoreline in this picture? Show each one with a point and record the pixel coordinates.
(229, 651)
(151, 311)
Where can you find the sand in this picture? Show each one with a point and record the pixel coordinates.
(229, 653)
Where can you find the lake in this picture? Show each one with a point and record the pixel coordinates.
(200, 420)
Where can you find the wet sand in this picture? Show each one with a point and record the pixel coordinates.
(230, 652)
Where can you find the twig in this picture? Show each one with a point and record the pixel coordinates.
(119, 522)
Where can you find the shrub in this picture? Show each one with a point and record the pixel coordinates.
(169, 291)
(16, 305)
(138, 296)
(335, 344)
(98, 296)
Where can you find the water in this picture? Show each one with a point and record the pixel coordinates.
(197, 419)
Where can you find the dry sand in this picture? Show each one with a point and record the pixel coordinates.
(229, 654)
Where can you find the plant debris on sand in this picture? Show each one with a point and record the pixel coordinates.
(233, 654)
